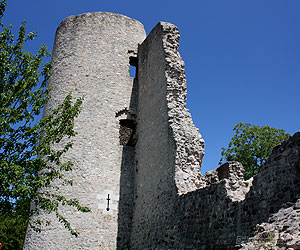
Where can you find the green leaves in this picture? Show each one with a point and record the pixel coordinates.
(251, 145)
(12, 230)
(31, 151)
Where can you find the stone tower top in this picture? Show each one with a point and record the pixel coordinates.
(91, 58)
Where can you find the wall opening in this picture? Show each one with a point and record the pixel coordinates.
(132, 71)
(133, 61)
(127, 132)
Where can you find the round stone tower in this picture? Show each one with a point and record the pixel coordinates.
(91, 59)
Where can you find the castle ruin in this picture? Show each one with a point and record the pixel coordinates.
(138, 155)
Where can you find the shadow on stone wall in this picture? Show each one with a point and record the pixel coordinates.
(226, 211)
(126, 201)
(127, 193)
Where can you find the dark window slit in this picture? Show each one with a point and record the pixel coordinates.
(127, 131)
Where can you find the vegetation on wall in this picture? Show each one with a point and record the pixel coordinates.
(28, 161)
(251, 145)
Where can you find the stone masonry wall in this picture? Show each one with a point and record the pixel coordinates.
(91, 59)
(209, 218)
(279, 232)
(226, 211)
(176, 207)
(189, 143)
(155, 189)
(273, 197)
(138, 146)
(169, 148)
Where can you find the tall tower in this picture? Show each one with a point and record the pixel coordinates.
(91, 58)
(138, 154)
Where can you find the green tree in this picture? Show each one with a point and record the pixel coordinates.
(29, 162)
(12, 229)
(251, 145)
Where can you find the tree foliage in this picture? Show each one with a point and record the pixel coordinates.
(251, 145)
(12, 229)
(28, 161)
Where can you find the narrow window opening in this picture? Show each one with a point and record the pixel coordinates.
(133, 62)
(132, 71)
(127, 131)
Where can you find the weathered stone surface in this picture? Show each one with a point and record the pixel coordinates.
(233, 175)
(282, 231)
(277, 183)
(137, 143)
(91, 59)
(169, 148)
(189, 143)
(225, 210)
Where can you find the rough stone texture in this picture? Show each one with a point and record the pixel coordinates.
(91, 59)
(137, 143)
(225, 211)
(277, 183)
(169, 148)
(210, 217)
(154, 181)
(189, 143)
(233, 173)
(281, 232)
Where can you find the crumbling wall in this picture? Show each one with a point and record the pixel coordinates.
(275, 187)
(138, 154)
(210, 218)
(176, 207)
(189, 143)
(280, 232)
(154, 182)
(226, 211)
(169, 148)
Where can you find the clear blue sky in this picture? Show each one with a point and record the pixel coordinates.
(242, 56)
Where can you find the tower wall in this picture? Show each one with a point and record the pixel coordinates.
(137, 143)
(91, 59)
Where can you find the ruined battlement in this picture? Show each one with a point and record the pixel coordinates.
(137, 146)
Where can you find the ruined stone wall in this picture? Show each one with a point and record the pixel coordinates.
(280, 232)
(273, 196)
(225, 212)
(91, 59)
(137, 143)
(189, 143)
(169, 148)
(209, 218)
(154, 182)
(176, 207)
